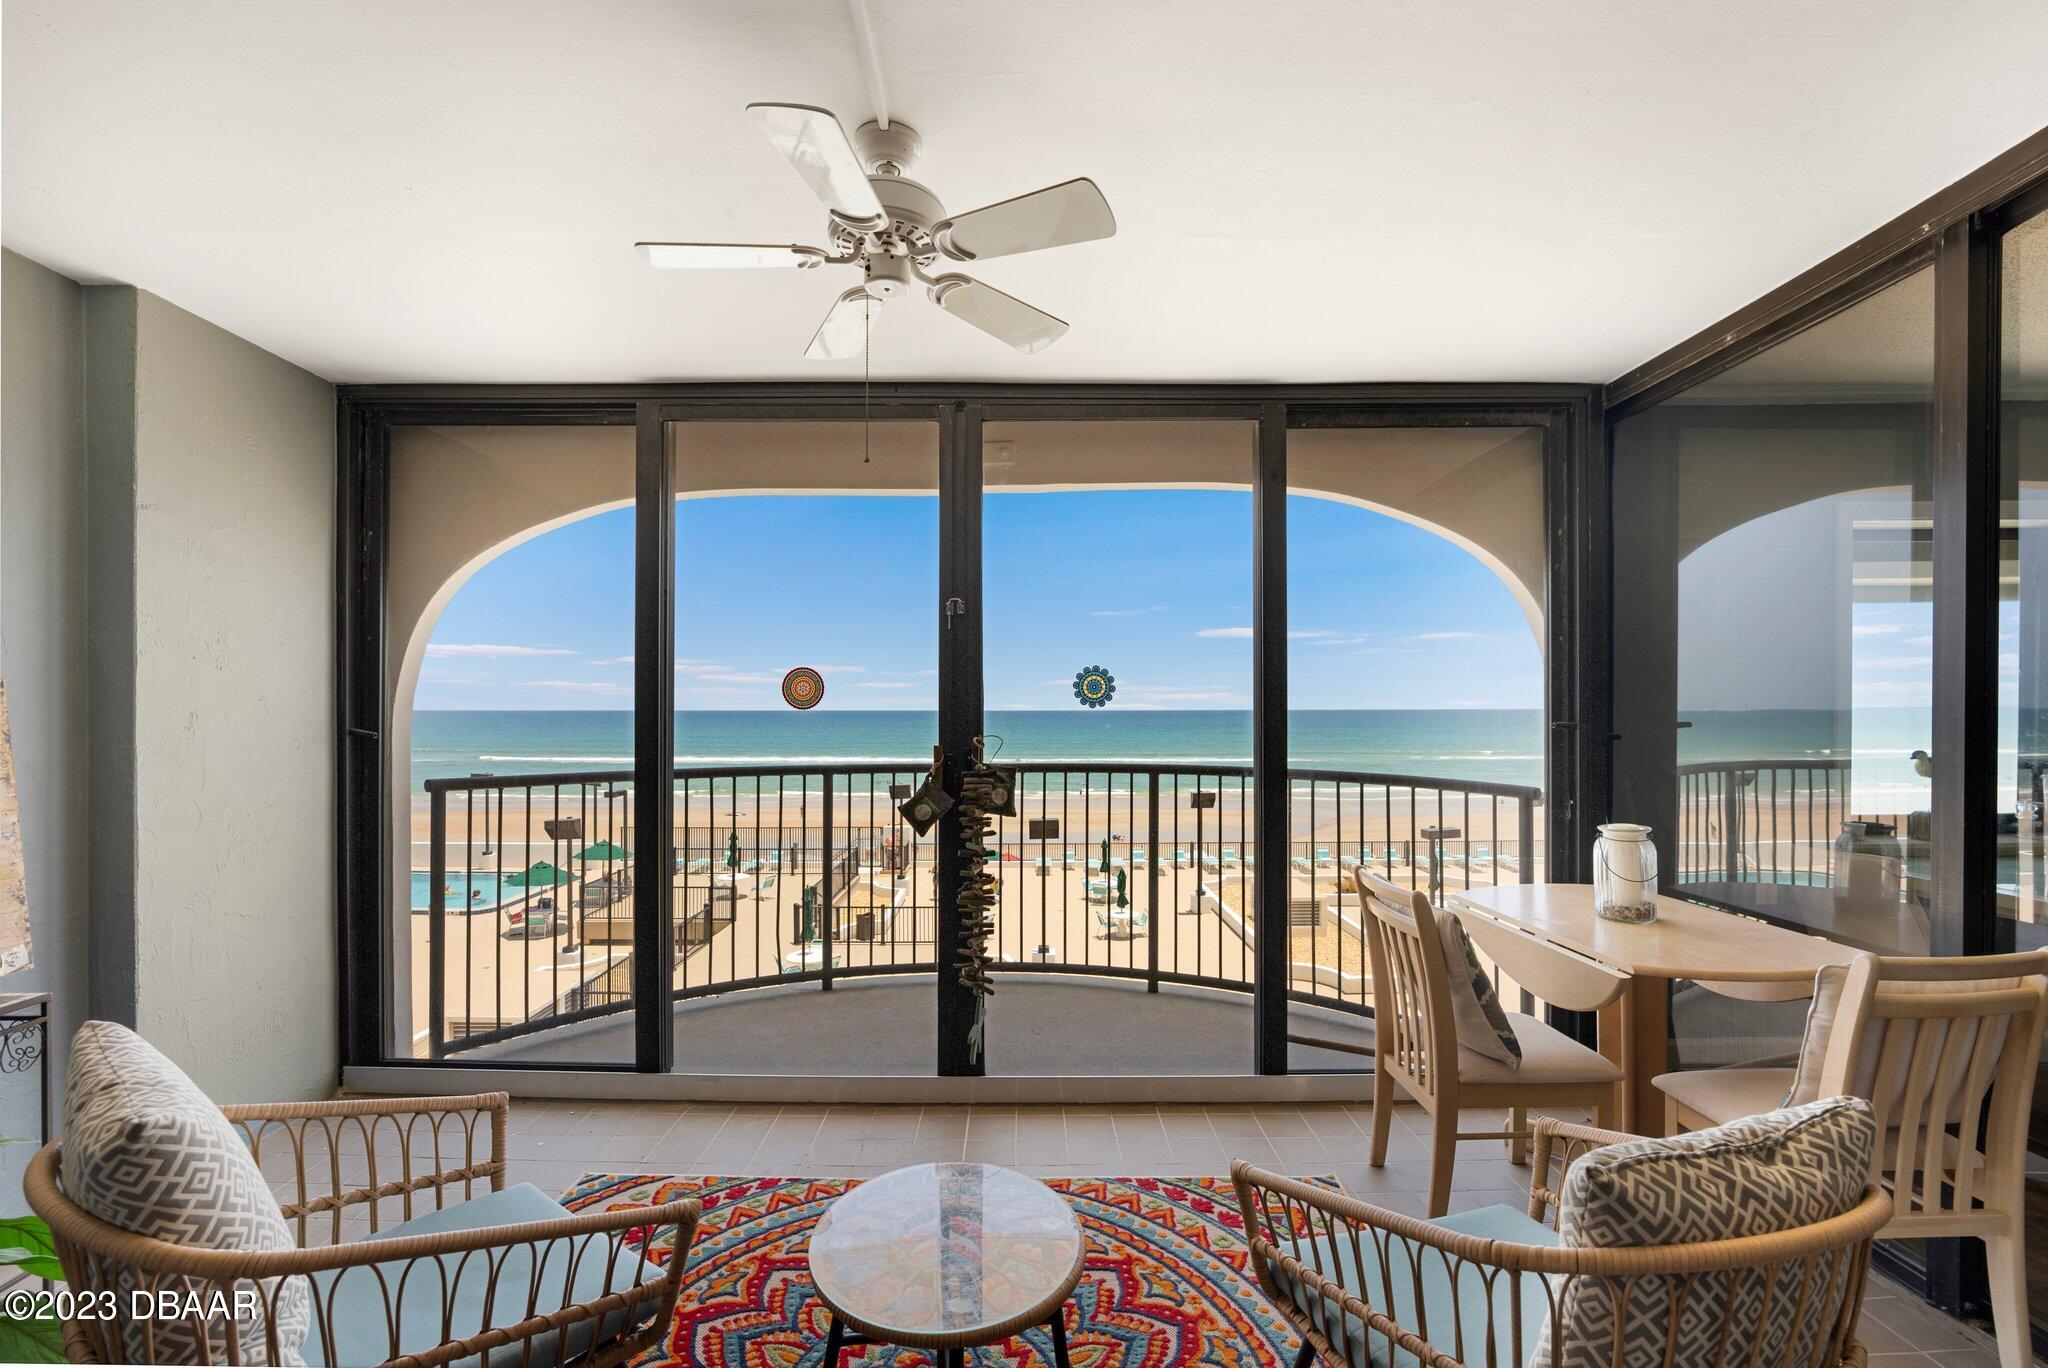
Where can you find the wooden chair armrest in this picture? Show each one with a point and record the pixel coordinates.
(633, 1302)
(424, 1152)
(1562, 1142)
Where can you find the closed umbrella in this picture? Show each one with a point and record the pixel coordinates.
(732, 851)
(1105, 854)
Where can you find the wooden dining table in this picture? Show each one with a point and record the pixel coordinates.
(1547, 938)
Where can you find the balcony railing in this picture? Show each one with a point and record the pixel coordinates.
(1769, 821)
(523, 900)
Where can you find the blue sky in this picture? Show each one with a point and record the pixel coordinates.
(1154, 585)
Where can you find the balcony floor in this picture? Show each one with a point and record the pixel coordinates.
(1039, 1026)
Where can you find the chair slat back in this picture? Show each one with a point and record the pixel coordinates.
(1945, 1051)
(1412, 1028)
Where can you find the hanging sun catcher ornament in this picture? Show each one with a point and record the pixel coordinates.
(1094, 687)
(803, 688)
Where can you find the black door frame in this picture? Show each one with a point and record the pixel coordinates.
(1569, 417)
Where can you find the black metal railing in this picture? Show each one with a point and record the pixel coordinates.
(808, 873)
(1769, 821)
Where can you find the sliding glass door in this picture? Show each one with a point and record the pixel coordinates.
(1116, 622)
(806, 692)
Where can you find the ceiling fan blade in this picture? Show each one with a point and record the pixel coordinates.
(844, 331)
(1073, 211)
(822, 154)
(999, 315)
(727, 255)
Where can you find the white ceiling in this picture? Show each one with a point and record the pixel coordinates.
(1327, 191)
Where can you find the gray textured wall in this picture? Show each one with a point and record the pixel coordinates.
(43, 631)
(234, 710)
(166, 631)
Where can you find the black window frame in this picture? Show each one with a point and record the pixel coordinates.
(1570, 418)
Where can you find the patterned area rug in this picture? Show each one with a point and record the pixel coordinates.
(1166, 1284)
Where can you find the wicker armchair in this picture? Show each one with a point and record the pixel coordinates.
(575, 1287)
(1496, 1301)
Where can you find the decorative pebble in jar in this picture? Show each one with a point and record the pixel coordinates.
(1625, 874)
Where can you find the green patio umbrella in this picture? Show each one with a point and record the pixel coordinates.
(1105, 854)
(606, 851)
(538, 874)
(807, 930)
(1122, 900)
(732, 851)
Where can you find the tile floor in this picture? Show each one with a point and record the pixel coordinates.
(552, 1143)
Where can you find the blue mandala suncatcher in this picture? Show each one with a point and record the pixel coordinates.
(1094, 687)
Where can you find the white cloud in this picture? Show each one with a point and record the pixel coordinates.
(589, 686)
(1876, 629)
(842, 669)
(1444, 636)
(614, 660)
(487, 651)
(1196, 696)
(1305, 634)
(731, 677)
(1224, 632)
(1126, 612)
(1334, 640)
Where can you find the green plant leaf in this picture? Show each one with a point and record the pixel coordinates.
(38, 1339)
(25, 1243)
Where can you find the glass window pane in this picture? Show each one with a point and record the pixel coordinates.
(509, 591)
(1773, 637)
(1415, 677)
(2022, 900)
(1123, 548)
(806, 706)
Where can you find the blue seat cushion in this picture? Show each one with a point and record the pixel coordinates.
(358, 1302)
(1443, 1308)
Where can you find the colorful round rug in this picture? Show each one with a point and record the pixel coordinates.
(1165, 1287)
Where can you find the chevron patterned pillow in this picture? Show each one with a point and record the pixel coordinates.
(1757, 1176)
(146, 1150)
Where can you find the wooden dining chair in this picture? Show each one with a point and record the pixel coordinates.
(1415, 1043)
(1945, 1052)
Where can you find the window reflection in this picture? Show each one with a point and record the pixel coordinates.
(1774, 641)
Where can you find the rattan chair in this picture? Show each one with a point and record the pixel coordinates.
(355, 1168)
(1415, 1044)
(1308, 1245)
(1945, 1051)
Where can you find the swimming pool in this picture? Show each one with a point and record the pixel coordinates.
(477, 890)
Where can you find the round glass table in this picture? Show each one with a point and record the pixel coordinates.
(946, 1257)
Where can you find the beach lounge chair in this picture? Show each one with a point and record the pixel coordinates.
(1180, 858)
(1068, 856)
(1097, 890)
(1323, 856)
(1301, 862)
(1230, 857)
(1122, 922)
(1209, 861)
(700, 864)
(1138, 859)
(1507, 862)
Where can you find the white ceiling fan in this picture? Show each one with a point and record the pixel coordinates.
(894, 230)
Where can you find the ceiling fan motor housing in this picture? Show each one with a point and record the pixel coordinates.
(911, 210)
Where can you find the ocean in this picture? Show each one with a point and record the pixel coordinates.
(1501, 745)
